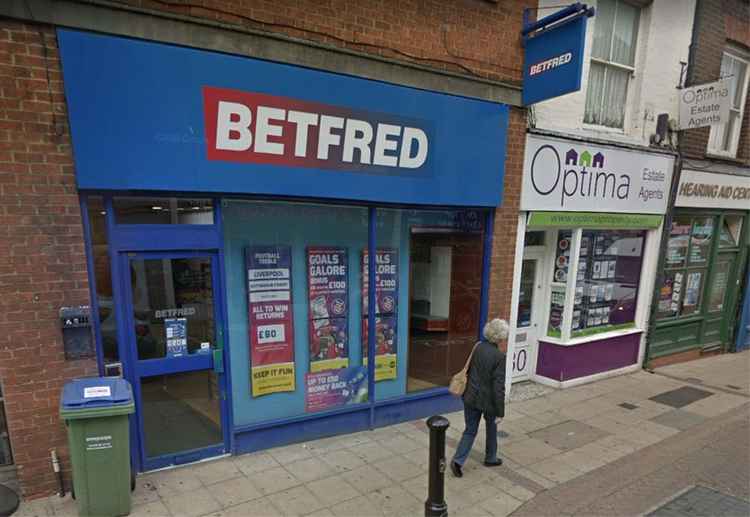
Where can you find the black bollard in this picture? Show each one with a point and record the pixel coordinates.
(435, 505)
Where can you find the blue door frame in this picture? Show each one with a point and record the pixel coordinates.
(165, 366)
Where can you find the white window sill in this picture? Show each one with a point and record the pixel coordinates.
(595, 337)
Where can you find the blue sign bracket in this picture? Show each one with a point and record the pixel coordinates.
(554, 20)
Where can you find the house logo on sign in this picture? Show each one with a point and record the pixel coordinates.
(582, 175)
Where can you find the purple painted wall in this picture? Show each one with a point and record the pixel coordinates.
(563, 363)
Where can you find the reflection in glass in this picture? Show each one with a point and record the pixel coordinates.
(526, 294)
(143, 210)
(693, 290)
(103, 278)
(180, 412)
(719, 283)
(170, 296)
(609, 271)
(731, 229)
(700, 241)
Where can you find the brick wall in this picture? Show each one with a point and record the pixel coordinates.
(506, 220)
(43, 265)
(719, 22)
(468, 36)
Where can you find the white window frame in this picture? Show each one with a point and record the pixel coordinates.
(607, 64)
(735, 138)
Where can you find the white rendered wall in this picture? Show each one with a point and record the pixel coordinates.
(664, 32)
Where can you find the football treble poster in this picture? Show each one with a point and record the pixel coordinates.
(328, 289)
(269, 286)
(386, 313)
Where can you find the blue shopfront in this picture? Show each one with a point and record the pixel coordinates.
(231, 205)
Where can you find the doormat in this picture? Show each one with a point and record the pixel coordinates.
(681, 397)
(700, 501)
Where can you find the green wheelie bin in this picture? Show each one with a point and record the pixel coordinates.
(96, 413)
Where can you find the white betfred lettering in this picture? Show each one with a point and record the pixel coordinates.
(325, 138)
(383, 144)
(263, 129)
(357, 135)
(413, 134)
(225, 127)
(304, 121)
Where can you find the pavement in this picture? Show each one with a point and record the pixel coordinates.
(638, 444)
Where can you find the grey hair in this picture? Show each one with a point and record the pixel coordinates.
(495, 330)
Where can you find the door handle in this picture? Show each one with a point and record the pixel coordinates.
(218, 360)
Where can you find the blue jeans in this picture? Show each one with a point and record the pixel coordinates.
(472, 417)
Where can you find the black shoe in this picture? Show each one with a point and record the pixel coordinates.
(493, 463)
(456, 469)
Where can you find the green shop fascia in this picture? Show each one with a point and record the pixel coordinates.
(703, 266)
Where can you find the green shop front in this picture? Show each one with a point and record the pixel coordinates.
(704, 265)
(236, 212)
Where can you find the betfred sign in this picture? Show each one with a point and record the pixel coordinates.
(704, 105)
(259, 128)
(567, 175)
(553, 62)
(234, 125)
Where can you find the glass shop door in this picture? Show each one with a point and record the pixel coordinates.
(174, 339)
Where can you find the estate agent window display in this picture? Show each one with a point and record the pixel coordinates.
(595, 282)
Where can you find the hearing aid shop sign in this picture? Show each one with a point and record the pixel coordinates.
(566, 175)
(158, 117)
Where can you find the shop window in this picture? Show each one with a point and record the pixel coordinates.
(723, 271)
(103, 278)
(724, 138)
(294, 300)
(6, 458)
(171, 296)
(534, 238)
(612, 63)
(685, 266)
(559, 282)
(731, 231)
(438, 295)
(605, 283)
(609, 271)
(526, 293)
(148, 210)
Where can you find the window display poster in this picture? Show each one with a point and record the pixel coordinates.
(677, 246)
(386, 311)
(271, 319)
(328, 288)
(176, 330)
(335, 388)
(700, 247)
(692, 290)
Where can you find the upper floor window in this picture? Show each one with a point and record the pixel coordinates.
(612, 63)
(724, 138)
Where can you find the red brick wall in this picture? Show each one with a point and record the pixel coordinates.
(468, 36)
(43, 266)
(506, 220)
(719, 22)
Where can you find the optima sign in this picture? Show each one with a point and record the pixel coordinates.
(566, 175)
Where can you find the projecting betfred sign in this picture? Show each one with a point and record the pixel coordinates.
(705, 105)
(565, 175)
(712, 190)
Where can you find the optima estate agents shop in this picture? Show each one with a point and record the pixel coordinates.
(257, 232)
(589, 231)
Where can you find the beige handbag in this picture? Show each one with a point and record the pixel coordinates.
(458, 381)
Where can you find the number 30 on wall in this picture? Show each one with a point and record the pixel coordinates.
(520, 361)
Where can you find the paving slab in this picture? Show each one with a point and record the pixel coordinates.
(679, 419)
(568, 435)
(700, 501)
(681, 397)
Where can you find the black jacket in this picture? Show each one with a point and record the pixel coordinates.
(485, 389)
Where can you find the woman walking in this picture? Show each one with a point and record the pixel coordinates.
(484, 395)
